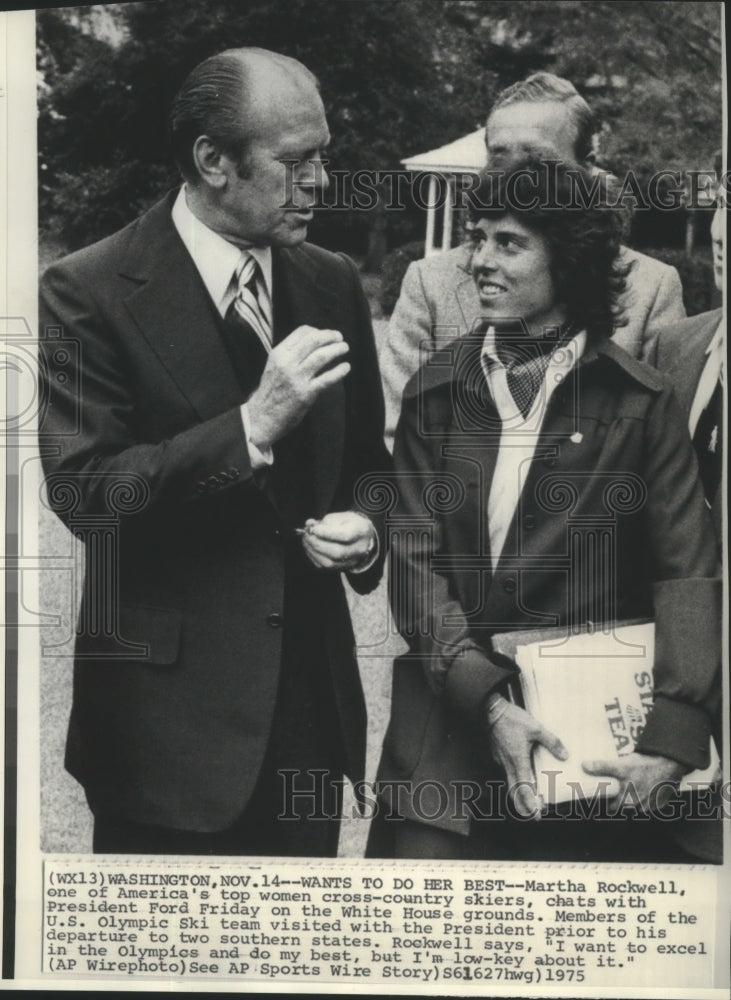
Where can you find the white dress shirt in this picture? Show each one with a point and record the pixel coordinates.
(218, 261)
(519, 435)
(712, 372)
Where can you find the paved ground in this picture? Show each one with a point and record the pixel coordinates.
(65, 820)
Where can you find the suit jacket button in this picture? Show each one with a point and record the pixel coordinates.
(275, 620)
(529, 522)
(213, 482)
(234, 473)
(510, 585)
(201, 487)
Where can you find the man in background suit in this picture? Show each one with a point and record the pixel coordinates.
(213, 399)
(692, 354)
(543, 115)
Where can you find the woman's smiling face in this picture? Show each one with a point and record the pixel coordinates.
(511, 267)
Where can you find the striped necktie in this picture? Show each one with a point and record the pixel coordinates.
(247, 324)
(252, 302)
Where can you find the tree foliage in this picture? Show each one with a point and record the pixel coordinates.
(650, 70)
(398, 77)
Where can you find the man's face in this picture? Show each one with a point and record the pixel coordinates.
(511, 267)
(267, 202)
(717, 244)
(544, 129)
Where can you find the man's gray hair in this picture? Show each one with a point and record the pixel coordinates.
(214, 101)
(546, 87)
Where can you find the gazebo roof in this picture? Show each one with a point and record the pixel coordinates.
(463, 156)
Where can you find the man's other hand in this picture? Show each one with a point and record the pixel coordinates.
(340, 541)
(296, 372)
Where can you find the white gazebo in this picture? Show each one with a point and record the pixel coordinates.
(463, 156)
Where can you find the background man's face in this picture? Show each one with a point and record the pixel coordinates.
(266, 202)
(544, 129)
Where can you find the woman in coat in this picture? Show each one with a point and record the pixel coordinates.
(543, 478)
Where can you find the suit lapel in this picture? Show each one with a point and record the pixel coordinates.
(470, 453)
(170, 305)
(691, 360)
(302, 297)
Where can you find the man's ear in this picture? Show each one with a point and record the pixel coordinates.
(210, 163)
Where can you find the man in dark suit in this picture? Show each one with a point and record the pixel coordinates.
(213, 400)
(692, 354)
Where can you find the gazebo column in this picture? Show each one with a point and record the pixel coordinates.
(447, 230)
(431, 216)
(444, 166)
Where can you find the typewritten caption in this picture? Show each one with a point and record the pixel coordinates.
(279, 922)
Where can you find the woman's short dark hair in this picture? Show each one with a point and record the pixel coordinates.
(571, 209)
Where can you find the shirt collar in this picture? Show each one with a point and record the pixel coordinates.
(564, 356)
(716, 342)
(215, 258)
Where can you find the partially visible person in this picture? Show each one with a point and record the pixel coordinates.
(692, 354)
(510, 440)
(546, 116)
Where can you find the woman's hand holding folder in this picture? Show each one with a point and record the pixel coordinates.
(512, 734)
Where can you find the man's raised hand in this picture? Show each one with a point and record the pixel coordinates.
(296, 372)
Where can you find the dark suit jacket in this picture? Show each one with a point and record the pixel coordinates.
(178, 651)
(680, 352)
(614, 476)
